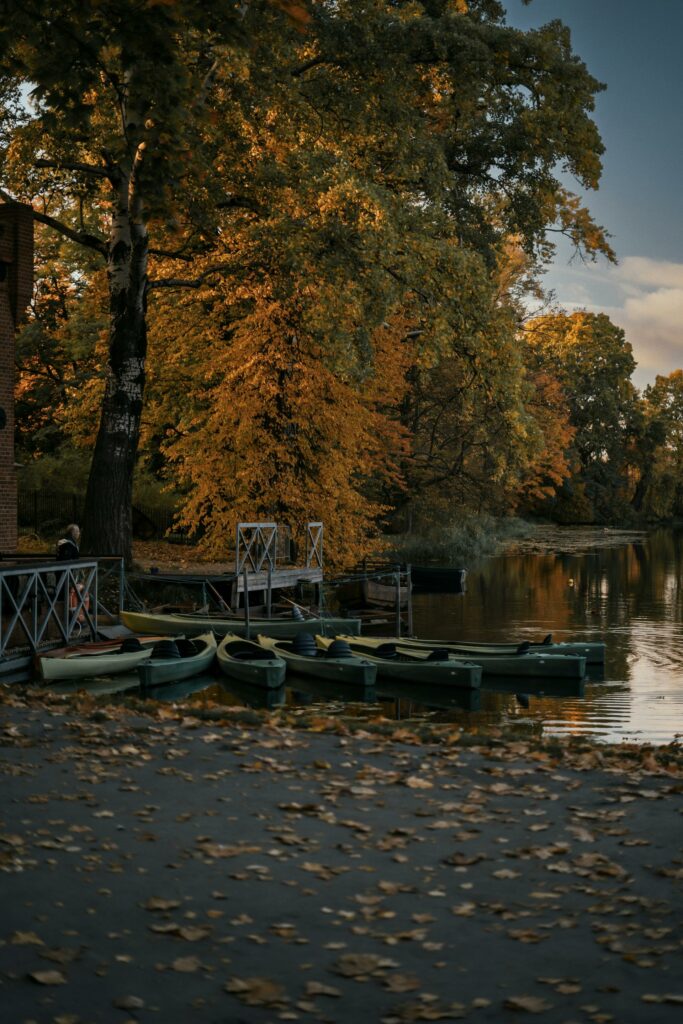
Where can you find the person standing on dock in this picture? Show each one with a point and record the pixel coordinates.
(67, 546)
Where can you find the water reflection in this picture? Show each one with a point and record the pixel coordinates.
(629, 595)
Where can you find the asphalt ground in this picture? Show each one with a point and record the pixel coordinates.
(166, 868)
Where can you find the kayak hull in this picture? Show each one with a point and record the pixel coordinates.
(191, 625)
(266, 672)
(359, 671)
(156, 671)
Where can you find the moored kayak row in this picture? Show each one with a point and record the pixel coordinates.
(184, 645)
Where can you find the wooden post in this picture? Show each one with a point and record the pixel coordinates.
(398, 603)
(245, 577)
(409, 585)
(269, 591)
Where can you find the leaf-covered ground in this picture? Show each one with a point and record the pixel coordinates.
(235, 868)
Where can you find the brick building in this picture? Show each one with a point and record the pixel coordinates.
(16, 285)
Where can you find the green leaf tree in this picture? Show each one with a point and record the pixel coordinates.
(591, 359)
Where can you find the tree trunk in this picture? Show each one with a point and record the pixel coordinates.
(107, 526)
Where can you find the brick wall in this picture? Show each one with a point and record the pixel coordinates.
(16, 283)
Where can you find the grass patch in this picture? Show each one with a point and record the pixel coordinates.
(473, 537)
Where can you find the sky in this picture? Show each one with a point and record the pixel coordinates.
(634, 48)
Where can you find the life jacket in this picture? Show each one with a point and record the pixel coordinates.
(75, 595)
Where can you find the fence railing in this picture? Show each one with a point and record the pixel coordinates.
(56, 601)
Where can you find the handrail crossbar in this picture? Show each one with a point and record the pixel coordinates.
(314, 545)
(255, 546)
(64, 595)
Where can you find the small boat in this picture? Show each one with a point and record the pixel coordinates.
(249, 662)
(337, 662)
(523, 664)
(397, 663)
(439, 579)
(592, 651)
(174, 660)
(384, 594)
(192, 624)
(87, 661)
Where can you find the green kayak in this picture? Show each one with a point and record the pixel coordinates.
(174, 660)
(192, 624)
(394, 662)
(535, 666)
(339, 663)
(249, 662)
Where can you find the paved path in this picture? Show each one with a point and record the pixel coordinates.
(178, 871)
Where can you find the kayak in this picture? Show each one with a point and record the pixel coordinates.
(522, 665)
(192, 624)
(338, 663)
(592, 651)
(173, 660)
(397, 663)
(87, 661)
(249, 662)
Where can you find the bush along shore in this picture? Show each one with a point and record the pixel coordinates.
(210, 863)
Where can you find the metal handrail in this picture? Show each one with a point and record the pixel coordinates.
(62, 595)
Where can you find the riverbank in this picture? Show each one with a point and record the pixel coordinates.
(232, 865)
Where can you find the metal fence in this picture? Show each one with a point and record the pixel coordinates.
(44, 603)
(49, 512)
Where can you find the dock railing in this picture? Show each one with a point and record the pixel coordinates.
(56, 602)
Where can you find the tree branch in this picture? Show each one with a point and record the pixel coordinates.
(314, 62)
(176, 282)
(80, 237)
(171, 255)
(67, 165)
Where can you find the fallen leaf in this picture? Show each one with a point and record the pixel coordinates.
(129, 1003)
(157, 903)
(26, 939)
(48, 977)
(416, 782)
(316, 988)
(186, 964)
(530, 1004)
(256, 991)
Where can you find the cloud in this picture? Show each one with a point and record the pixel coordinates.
(645, 272)
(643, 296)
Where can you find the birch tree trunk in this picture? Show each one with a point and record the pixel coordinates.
(107, 525)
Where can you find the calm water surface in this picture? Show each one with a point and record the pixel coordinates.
(630, 595)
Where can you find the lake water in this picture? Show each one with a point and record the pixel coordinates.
(628, 594)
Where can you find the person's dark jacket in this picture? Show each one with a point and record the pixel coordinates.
(67, 550)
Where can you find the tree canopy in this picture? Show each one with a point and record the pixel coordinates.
(308, 209)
